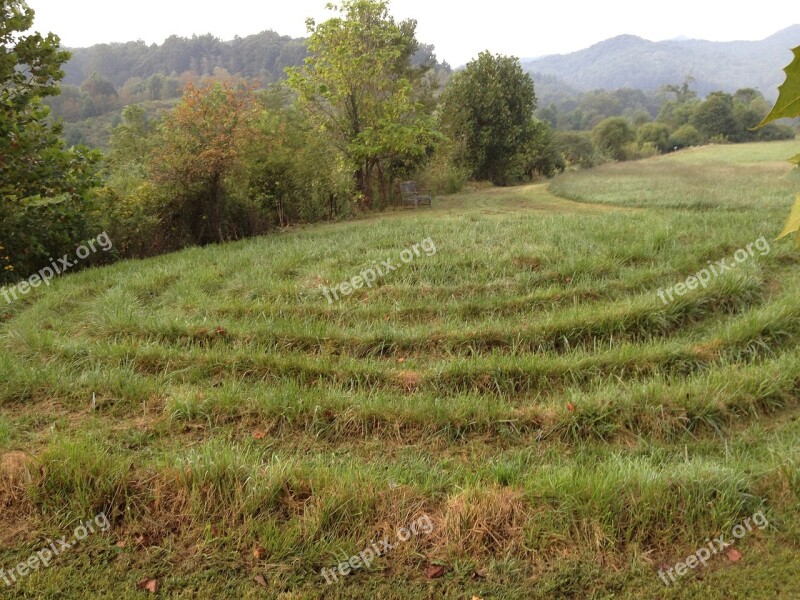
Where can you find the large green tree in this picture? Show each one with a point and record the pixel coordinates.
(361, 90)
(715, 118)
(44, 187)
(487, 110)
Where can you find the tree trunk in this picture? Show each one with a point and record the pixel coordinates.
(362, 177)
(214, 221)
(368, 183)
(383, 184)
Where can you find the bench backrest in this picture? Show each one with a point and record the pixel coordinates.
(409, 189)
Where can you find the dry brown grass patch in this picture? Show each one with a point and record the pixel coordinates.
(409, 381)
(709, 351)
(15, 475)
(485, 521)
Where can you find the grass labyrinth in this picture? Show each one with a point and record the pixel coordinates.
(567, 432)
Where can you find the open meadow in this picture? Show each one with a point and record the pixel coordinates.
(514, 381)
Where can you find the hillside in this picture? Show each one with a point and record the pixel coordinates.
(513, 391)
(632, 62)
(263, 57)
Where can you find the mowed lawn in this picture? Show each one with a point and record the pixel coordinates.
(518, 380)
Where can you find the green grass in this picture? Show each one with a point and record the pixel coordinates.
(738, 177)
(567, 432)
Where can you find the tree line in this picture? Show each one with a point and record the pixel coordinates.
(105, 78)
(364, 110)
(630, 124)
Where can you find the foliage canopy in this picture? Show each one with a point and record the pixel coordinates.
(360, 89)
(44, 188)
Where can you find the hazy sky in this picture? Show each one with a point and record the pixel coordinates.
(459, 32)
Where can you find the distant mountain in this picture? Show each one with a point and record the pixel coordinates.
(628, 61)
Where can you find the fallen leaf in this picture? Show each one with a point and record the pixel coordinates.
(122, 544)
(734, 555)
(260, 580)
(435, 571)
(259, 435)
(480, 573)
(476, 598)
(148, 585)
(220, 331)
(140, 540)
(401, 360)
(259, 552)
(570, 407)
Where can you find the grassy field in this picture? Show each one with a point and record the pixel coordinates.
(524, 386)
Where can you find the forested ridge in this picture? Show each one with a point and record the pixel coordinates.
(262, 56)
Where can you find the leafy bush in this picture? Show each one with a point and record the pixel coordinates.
(443, 175)
(544, 159)
(645, 150)
(576, 147)
(685, 137)
(655, 134)
(773, 132)
(131, 220)
(195, 164)
(715, 118)
(289, 172)
(612, 136)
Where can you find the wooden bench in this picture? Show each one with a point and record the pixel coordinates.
(411, 197)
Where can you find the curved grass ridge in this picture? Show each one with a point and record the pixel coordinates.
(642, 317)
(320, 499)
